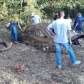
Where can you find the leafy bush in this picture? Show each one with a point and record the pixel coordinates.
(69, 6)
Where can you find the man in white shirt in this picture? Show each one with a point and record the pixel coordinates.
(35, 19)
(61, 32)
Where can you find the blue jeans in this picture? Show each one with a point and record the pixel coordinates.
(14, 36)
(79, 29)
(58, 54)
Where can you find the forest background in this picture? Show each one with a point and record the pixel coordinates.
(21, 10)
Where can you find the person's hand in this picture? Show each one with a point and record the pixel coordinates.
(70, 42)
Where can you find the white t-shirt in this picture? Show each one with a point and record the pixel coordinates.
(61, 27)
(35, 19)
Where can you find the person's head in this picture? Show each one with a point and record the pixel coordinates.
(61, 14)
(56, 16)
(79, 14)
(68, 16)
(33, 14)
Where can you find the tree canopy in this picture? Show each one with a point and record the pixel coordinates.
(70, 6)
(21, 9)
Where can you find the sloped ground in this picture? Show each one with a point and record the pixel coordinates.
(39, 67)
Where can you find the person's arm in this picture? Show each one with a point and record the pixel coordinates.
(69, 36)
(19, 27)
(8, 25)
(76, 23)
(50, 29)
(69, 32)
(39, 19)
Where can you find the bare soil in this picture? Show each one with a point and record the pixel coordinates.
(39, 67)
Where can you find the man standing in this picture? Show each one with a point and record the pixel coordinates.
(15, 31)
(61, 39)
(79, 23)
(35, 19)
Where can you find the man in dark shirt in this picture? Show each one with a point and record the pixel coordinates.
(78, 22)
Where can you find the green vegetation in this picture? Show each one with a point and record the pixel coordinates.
(70, 6)
(14, 10)
(21, 9)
